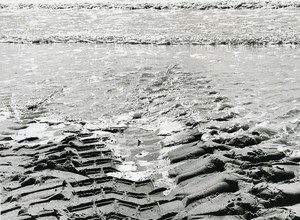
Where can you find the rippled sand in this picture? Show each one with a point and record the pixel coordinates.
(114, 112)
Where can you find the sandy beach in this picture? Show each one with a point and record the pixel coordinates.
(149, 110)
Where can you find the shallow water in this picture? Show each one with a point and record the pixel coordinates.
(93, 82)
(130, 98)
(151, 26)
(107, 84)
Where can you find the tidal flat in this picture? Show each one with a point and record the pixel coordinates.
(127, 110)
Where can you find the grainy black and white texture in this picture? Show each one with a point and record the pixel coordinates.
(149, 109)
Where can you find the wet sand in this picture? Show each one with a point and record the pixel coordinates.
(162, 143)
(213, 169)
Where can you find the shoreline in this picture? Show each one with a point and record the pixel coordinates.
(149, 110)
(218, 168)
(152, 5)
(264, 27)
(160, 41)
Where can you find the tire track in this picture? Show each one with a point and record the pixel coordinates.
(89, 158)
(220, 169)
(222, 177)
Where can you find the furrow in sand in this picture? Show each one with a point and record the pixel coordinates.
(220, 172)
(118, 194)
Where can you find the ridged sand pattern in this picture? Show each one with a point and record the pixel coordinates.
(173, 146)
(220, 177)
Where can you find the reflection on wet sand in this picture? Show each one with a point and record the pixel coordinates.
(95, 131)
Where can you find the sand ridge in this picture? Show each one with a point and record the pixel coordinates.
(218, 172)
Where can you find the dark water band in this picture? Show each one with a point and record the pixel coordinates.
(233, 41)
(160, 6)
